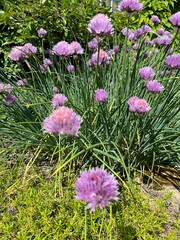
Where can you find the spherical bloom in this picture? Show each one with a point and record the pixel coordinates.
(29, 49)
(160, 31)
(59, 100)
(96, 187)
(125, 31)
(129, 6)
(175, 19)
(17, 54)
(136, 46)
(163, 40)
(6, 88)
(101, 95)
(146, 73)
(173, 61)
(70, 68)
(111, 53)
(93, 43)
(63, 121)
(138, 105)
(116, 49)
(55, 89)
(100, 25)
(47, 62)
(10, 99)
(22, 82)
(146, 28)
(138, 33)
(42, 32)
(62, 49)
(102, 56)
(155, 19)
(76, 48)
(154, 86)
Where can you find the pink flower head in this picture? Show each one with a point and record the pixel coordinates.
(6, 88)
(101, 95)
(93, 43)
(136, 46)
(96, 187)
(47, 62)
(138, 105)
(10, 99)
(59, 100)
(125, 31)
(146, 73)
(17, 54)
(130, 6)
(63, 121)
(55, 89)
(155, 19)
(42, 32)
(146, 28)
(173, 61)
(160, 31)
(76, 48)
(62, 49)
(138, 33)
(175, 19)
(116, 49)
(29, 49)
(102, 56)
(100, 25)
(70, 68)
(154, 86)
(163, 40)
(22, 82)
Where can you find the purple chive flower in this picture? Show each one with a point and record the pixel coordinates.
(146, 28)
(163, 40)
(102, 56)
(59, 100)
(101, 95)
(22, 82)
(173, 61)
(62, 49)
(41, 32)
(147, 41)
(136, 46)
(138, 105)
(63, 121)
(129, 6)
(138, 33)
(17, 54)
(146, 73)
(70, 68)
(47, 62)
(116, 49)
(76, 48)
(125, 31)
(96, 187)
(154, 86)
(6, 88)
(155, 19)
(168, 34)
(132, 37)
(111, 53)
(10, 99)
(55, 89)
(93, 43)
(100, 25)
(29, 49)
(160, 31)
(175, 19)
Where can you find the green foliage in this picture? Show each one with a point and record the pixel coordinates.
(35, 207)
